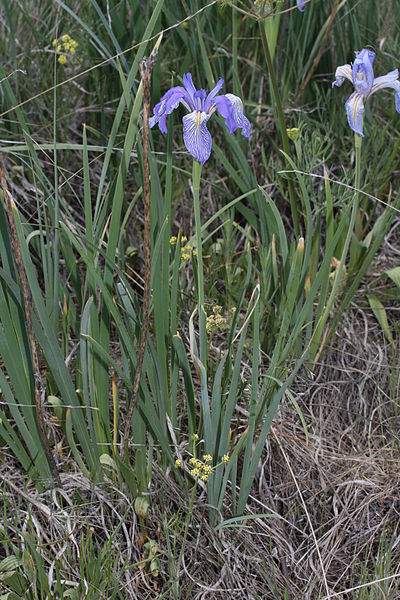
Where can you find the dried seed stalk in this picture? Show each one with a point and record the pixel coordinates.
(145, 66)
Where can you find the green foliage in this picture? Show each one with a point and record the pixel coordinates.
(71, 134)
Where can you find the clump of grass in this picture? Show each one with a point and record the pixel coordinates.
(272, 267)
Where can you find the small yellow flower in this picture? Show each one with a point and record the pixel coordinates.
(293, 134)
(62, 59)
(217, 309)
(199, 464)
(183, 239)
(207, 458)
(220, 321)
(207, 469)
(66, 47)
(65, 38)
(210, 323)
(172, 240)
(193, 461)
(58, 49)
(54, 42)
(185, 256)
(72, 51)
(225, 458)
(195, 437)
(178, 463)
(195, 472)
(204, 477)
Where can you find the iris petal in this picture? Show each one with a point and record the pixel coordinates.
(196, 136)
(354, 110)
(167, 104)
(189, 86)
(212, 94)
(238, 115)
(301, 4)
(225, 109)
(342, 73)
(390, 80)
(363, 71)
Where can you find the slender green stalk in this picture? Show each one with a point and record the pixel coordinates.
(196, 197)
(281, 117)
(54, 306)
(185, 533)
(200, 275)
(350, 230)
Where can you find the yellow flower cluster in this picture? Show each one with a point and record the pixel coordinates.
(200, 469)
(216, 320)
(186, 249)
(65, 46)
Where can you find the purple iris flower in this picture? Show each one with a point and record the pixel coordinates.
(201, 106)
(301, 4)
(361, 75)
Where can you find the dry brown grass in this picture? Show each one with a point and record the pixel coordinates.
(335, 498)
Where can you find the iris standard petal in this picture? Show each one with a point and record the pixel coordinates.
(390, 80)
(189, 86)
(354, 110)
(238, 115)
(196, 136)
(342, 73)
(363, 71)
(167, 104)
(199, 100)
(301, 4)
(209, 100)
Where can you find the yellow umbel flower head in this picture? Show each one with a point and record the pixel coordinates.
(65, 46)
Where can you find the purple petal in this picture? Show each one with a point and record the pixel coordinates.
(342, 73)
(225, 109)
(167, 104)
(238, 115)
(199, 99)
(301, 4)
(390, 80)
(354, 110)
(196, 136)
(363, 72)
(189, 86)
(208, 102)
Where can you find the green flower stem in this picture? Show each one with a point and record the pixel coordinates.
(281, 117)
(349, 235)
(196, 197)
(187, 523)
(200, 276)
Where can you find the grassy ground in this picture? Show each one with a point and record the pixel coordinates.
(292, 372)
